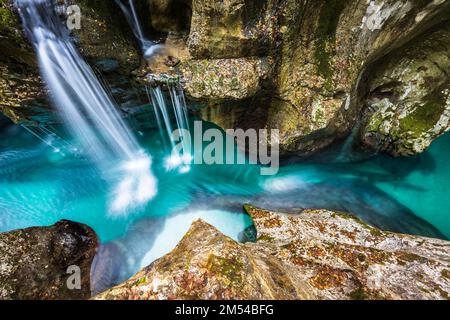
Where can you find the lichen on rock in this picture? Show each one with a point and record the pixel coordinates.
(408, 104)
(313, 254)
(225, 79)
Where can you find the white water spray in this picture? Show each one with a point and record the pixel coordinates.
(86, 107)
(180, 158)
(149, 48)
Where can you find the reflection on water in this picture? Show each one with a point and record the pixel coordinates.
(39, 186)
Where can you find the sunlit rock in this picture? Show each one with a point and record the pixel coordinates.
(314, 254)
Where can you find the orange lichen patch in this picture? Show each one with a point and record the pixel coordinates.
(322, 228)
(256, 213)
(349, 234)
(315, 252)
(358, 257)
(328, 277)
(293, 220)
(273, 222)
(299, 261)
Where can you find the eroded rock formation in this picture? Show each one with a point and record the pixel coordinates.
(320, 50)
(34, 262)
(315, 254)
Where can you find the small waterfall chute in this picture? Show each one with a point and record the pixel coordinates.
(149, 48)
(180, 157)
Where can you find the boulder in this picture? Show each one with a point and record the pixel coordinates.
(35, 263)
(231, 28)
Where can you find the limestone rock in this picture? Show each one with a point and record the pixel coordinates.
(170, 15)
(225, 79)
(22, 96)
(34, 261)
(408, 105)
(104, 36)
(319, 51)
(315, 254)
(230, 28)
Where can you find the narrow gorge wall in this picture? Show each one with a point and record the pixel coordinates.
(316, 55)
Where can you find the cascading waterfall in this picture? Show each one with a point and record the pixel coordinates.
(86, 108)
(148, 47)
(180, 155)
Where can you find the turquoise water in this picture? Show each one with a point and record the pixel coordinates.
(40, 185)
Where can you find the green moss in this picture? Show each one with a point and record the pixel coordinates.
(140, 281)
(9, 23)
(326, 36)
(426, 115)
(230, 268)
(266, 238)
(358, 294)
(412, 257)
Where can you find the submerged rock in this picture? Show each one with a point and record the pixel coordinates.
(315, 254)
(34, 262)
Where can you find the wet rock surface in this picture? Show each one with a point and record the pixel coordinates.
(320, 53)
(313, 254)
(34, 262)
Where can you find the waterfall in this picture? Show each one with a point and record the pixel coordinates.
(86, 108)
(148, 47)
(180, 155)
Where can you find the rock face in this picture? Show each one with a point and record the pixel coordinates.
(408, 104)
(20, 84)
(315, 254)
(34, 262)
(320, 52)
(315, 70)
(104, 38)
(169, 15)
(225, 79)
